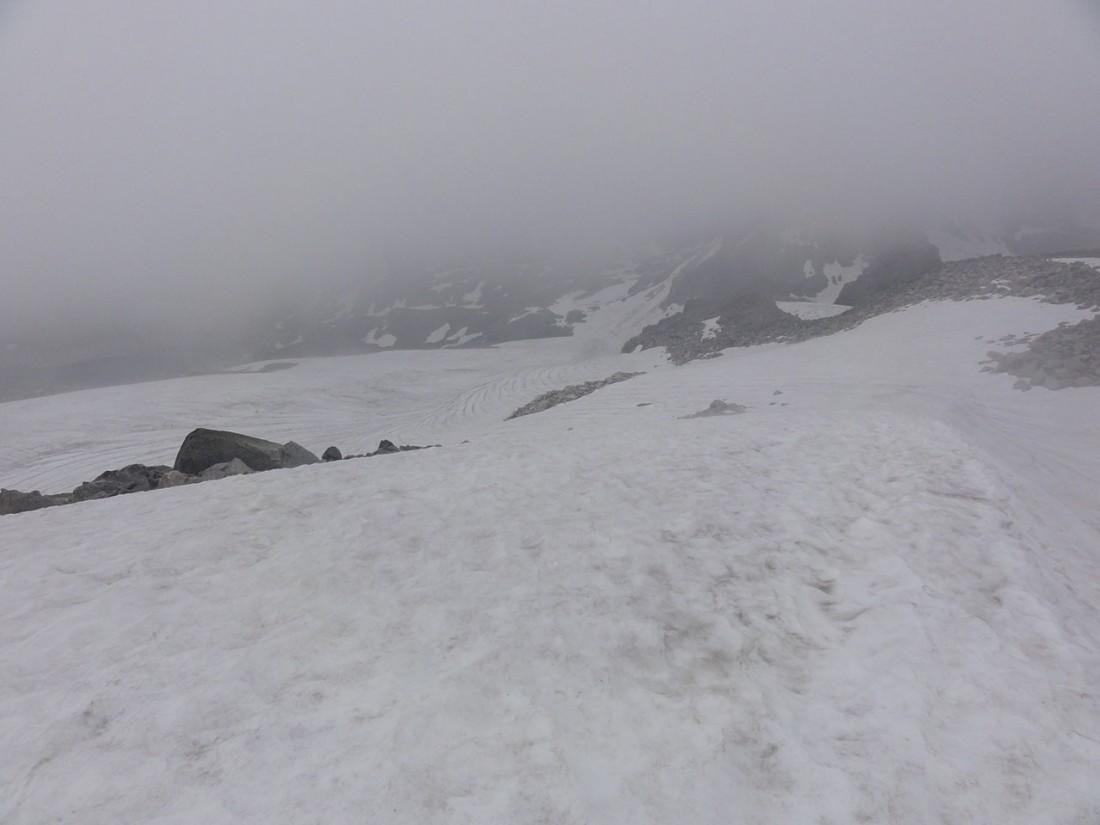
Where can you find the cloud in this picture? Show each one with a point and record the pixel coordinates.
(180, 163)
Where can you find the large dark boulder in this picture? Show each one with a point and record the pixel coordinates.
(203, 448)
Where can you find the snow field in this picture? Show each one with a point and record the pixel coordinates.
(871, 597)
(818, 621)
(411, 397)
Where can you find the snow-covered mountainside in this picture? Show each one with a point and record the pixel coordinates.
(871, 596)
(897, 280)
(487, 304)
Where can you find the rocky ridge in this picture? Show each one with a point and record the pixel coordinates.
(755, 320)
(570, 393)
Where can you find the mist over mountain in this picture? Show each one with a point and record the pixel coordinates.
(173, 176)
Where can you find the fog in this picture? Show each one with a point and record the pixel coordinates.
(175, 167)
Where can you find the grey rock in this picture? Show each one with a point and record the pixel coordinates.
(15, 501)
(386, 446)
(718, 407)
(1061, 358)
(295, 455)
(332, 454)
(570, 393)
(173, 478)
(235, 467)
(133, 478)
(203, 448)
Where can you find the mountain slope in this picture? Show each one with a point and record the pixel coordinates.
(870, 597)
(713, 281)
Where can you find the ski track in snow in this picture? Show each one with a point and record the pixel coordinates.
(870, 598)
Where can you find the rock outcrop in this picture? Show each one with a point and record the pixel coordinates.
(718, 407)
(899, 265)
(747, 322)
(386, 447)
(1068, 356)
(570, 393)
(16, 501)
(194, 464)
(203, 448)
(133, 478)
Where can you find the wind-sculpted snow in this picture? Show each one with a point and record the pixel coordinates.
(871, 597)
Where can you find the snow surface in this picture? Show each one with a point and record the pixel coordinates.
(870, 598)
(810, 310)
(711, 327)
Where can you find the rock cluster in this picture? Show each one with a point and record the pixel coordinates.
(133, 478)
(718, 407)
(204, 448)
(746, 321)
(205, 455)
(1068, 356)
(570, 393)
(385, 447)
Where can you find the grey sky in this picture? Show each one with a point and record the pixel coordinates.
(179, 158)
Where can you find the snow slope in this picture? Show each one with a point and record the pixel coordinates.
(871, 597)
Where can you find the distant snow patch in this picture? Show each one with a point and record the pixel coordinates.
(383, 340)
(710, 328)
(461, 337)
(567, 303)
(473, 297)
(837, 275)
(527, 311)
(438, 335)
(295, 342)
(809, 310)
